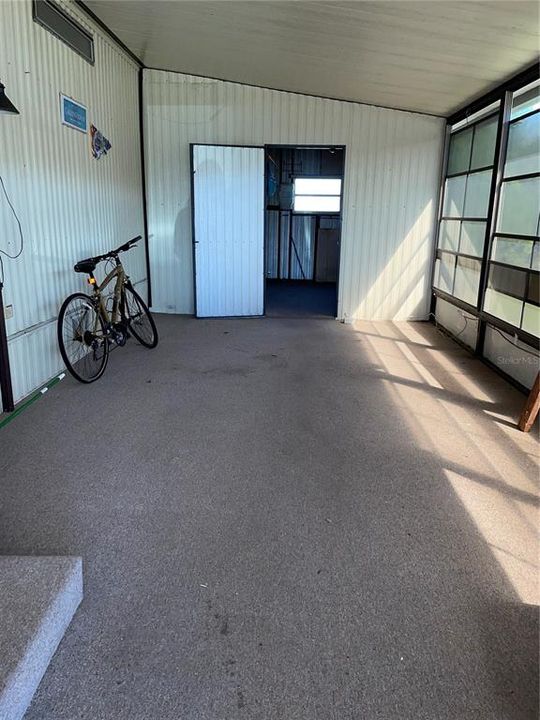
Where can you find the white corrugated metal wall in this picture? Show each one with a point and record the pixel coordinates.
(391, 184)
(69, 204)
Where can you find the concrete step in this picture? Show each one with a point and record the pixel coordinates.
(38, 598)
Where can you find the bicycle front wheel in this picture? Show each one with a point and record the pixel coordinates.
(140, 322)
(81, 336)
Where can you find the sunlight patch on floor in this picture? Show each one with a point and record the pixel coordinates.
(450, 364)
(509, 526)
(485, 458)
(418, 366)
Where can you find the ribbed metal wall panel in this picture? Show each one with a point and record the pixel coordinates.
(228, 219)
(303, 241)
(390, 189)
(272, 243)
(69, 204)
(285, 222)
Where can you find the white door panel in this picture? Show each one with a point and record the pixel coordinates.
(228, 214)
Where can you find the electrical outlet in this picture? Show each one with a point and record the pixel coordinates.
(8, 311)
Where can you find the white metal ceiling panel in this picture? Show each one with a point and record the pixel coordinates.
(228, 207)
(432, 57)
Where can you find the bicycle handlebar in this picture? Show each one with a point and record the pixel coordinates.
(126, 246)
(112, 253)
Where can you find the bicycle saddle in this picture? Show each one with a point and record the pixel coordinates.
(85, 266)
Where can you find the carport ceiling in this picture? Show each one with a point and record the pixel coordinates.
(430, 57)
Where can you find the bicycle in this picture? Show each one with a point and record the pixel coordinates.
(86, 328)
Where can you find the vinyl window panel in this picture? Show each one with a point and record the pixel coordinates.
(472, 238)
(526, 100)
(454, 196)
(473, 148)
(477, 194)
(449, 235)
(467, 280)
(531, 319)
(503, 306)
(519, 212)
(523, 153)
(512, 251)
(483, 150)
(445, 267)
(459, 153)
(511, 281)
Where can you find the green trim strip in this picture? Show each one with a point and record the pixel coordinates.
(18, 410)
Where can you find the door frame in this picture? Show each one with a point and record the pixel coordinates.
(309, 146)
(192, 203)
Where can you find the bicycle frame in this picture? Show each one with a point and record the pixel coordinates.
(119, 273)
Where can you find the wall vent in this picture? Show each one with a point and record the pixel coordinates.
(52, 17)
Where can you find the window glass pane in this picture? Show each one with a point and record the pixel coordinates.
(317, 186)
(520, 207)
(526, 100)
(523, 155)
(472, 238)
(512, 251)
(485, 134)
(454, 194)
(507, 280)
(444, 272)
(477, 194)
(316, 203)
(449, 235)
(531, 319)
(503, 306)
(467, 279)
(533, 294)
(460, 152)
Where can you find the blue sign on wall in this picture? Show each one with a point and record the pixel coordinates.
(73, 114)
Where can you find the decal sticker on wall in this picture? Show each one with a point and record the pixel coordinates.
(100, 144)
(73, 114)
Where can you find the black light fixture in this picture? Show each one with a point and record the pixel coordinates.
(6, 106)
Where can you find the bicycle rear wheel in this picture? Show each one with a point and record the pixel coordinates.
(140, 322)
(81, 336)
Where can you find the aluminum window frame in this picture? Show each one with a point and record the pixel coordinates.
(529, 272)
(503, 95)
(439, 252)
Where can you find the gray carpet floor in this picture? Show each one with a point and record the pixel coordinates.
(264, 536)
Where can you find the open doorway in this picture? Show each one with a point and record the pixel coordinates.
(303, 201)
